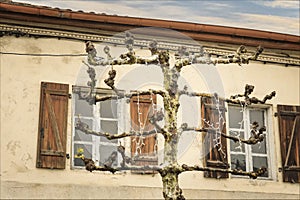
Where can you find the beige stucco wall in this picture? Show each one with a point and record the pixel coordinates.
(20, 86)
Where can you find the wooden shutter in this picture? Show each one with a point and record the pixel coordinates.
(51, 151)
(213, 156)
(289, 129)
(147, 155)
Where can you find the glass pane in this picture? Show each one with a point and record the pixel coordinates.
(259, 147)
(238, 162)
(235, 117)
(82, 107)
(257, 116)
(109, 127)
(108, 109)
(79, 135)
(259, 162)
(87, 152)
(237, 146)
(106, 155)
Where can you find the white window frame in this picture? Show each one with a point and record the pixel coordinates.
(96, 140)
(270, 145)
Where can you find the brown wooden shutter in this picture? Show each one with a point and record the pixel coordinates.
(289, 129)
(148, 155)
(213, 156)
(51, 152)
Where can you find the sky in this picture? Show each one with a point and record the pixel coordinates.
(280, 16)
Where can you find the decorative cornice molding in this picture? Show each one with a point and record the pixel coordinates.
(19, 31)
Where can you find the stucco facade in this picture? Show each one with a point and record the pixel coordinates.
(23, 70)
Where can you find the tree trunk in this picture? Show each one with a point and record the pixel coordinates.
(171, 189)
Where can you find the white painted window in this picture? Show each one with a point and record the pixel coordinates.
(103, 117)
(250, 157)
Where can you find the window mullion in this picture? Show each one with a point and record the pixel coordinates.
(247, 135)
(96, 139)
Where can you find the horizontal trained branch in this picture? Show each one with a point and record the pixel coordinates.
(253, 174)
(90, 166)
(239, 57)
(120, 95)
(85, 128)
(254, 139)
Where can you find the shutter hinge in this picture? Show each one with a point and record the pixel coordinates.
(70, 96)
(39, 164)
(276, 114)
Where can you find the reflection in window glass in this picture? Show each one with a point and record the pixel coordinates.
(235, 117)
(238, 162)
(259, 147)
(82, 107)
(108, 109)
(79, 135)
(237, 146)
(105, 152)
(109, 127)
(257, 116)
(259, 162)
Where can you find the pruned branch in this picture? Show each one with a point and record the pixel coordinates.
(196, 94)
(240, 57)
(90, 166)
(156, 117)
(249, 100)
(256, 135)
(125, 159)
(85, 128)
(121, 95)
(253, 174)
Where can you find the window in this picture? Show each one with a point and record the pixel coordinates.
(249, 157)
(102, 117)
(105, 116)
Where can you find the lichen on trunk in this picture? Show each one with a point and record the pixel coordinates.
(171, 189)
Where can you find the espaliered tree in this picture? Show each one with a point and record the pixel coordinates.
(170, 94)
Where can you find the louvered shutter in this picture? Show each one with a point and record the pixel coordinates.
(215, 155)
(289, 129)
(51, 151)
(146, 155)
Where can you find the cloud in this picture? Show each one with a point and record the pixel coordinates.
(272, 23)
(293, 4)
(216, 5)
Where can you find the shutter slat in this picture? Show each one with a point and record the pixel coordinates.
(289, 129)
(52, 153)
(52, 135)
